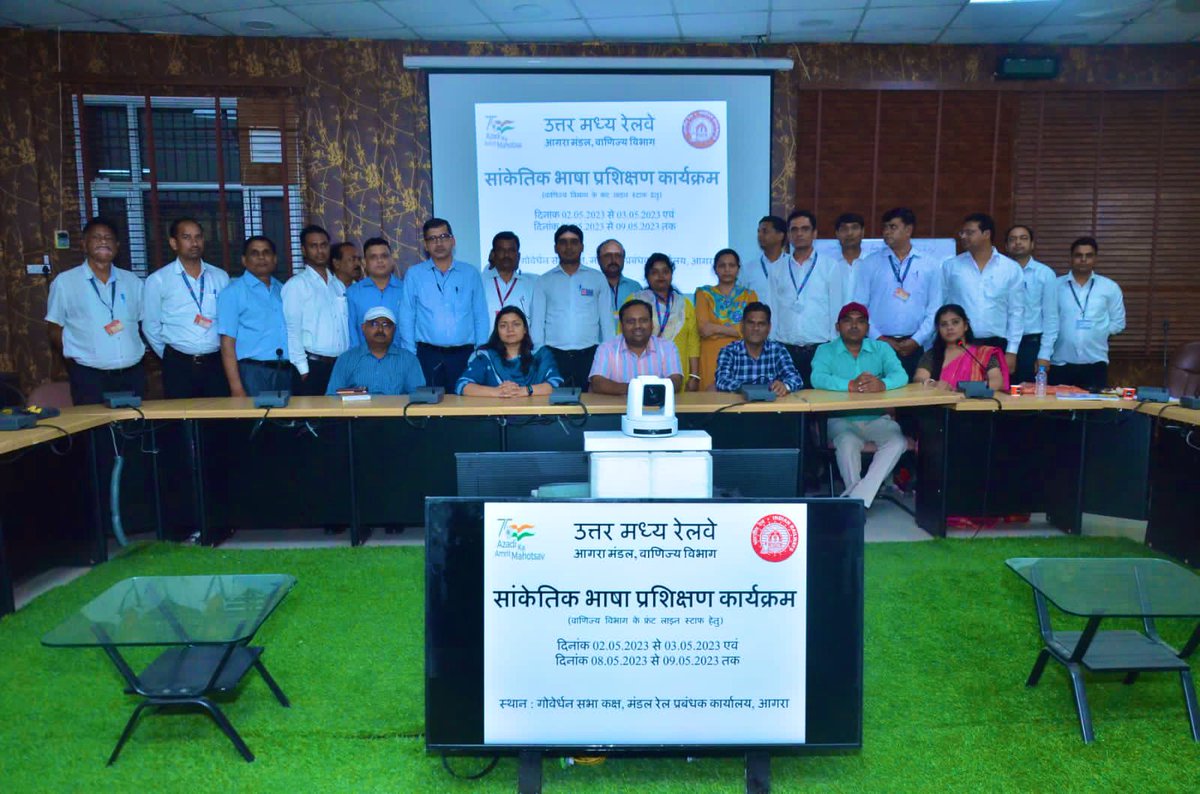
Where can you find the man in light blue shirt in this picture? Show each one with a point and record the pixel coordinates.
(377, 365)
(773, 253)
(902, 288)
(1091, 308)
(250, 321)
(92, 318)
(989, 286)
(1041, 305)
(853, 363)
(443, 316)
(610, 255)
(381, 287)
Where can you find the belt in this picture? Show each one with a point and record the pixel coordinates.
(197, 360)
(446, 348)
(1038, 335)
(813, 346)
(102, 369)
(268, 364)
(898, 337)
(315, 357)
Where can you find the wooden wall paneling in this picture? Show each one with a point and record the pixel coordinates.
(1176, 272)
(908, 165)
(807, 132)
(967, 160)
(846, 156)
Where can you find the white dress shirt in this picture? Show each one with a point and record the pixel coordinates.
(994, 298)
(1041, 305)
(844, 292)
(801, 300)
(315, 312)
(900, 309)
(571, 312)
(755, 272)
(171, 302)
(499, 293)
(1087, 317)
(84, 307)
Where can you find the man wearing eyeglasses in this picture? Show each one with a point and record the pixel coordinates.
(443, 315)
(376, 365)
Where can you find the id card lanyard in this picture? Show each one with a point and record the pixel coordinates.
(198, 301)
(807, 276)
(112, 301)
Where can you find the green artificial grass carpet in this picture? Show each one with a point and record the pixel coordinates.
(950, 638)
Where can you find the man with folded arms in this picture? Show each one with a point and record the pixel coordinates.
(377, 365)
(180, 317)
(635, 352)
(755, 359)
(860, 365)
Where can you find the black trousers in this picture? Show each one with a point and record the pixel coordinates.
(1092, 377)
(802, 357)
(319, 370)
(193, 376)
(1027, 359)
(442, 366)
(910, 361)
(89, 384)
(574, 365)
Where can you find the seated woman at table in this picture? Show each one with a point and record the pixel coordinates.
(955, 358)
(674, 317)
(719, 312)
(508, 366)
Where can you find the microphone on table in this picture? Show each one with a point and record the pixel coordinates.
(974, 389)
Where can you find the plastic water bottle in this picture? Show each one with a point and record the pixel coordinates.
(1039, 383)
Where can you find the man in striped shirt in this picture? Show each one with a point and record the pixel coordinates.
(635, 352)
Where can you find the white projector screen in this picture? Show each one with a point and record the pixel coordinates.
(677, 163)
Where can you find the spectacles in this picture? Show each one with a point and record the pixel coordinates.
(433, 238)
(380, 323)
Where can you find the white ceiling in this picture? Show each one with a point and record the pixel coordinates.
(733, 21)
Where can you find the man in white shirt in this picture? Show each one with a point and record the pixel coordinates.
(571, 309)
(849, 229)
(902, 289)
(1091, 308)
(755, 273)
(989, 287)
(503, 282)
(92, 319)
(315, 313)
(1041, 305)
(802, 294)
(180, 317)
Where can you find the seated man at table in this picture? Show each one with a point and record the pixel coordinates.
(755, 359)
(635, 352)
(858, 364)
(375, 365)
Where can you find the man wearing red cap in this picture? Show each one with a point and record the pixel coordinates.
(858, 364)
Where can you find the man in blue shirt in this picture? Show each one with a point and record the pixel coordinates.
(377, 365)
(756, 359)
(443, 316)
(250, 321)
(853, 363)
(381, 287)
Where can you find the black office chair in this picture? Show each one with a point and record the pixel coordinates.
(828, 454)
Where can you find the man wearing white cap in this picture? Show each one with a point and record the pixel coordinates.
(375, 365)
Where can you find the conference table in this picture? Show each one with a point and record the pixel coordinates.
(202, 468)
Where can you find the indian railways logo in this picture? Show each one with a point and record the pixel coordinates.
(774, 538)
(701, 129)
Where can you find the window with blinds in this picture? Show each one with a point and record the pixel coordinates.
(1122, 166)
(233, 164)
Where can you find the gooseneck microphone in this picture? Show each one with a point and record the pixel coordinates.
(967, 350)
(974, 389)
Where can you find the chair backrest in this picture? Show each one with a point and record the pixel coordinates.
(1183, 375)
(52, 394)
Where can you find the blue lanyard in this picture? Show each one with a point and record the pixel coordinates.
(762, 261)
(807, 276)
(112, 302)
(1086, 298)
(663, 318)
(198, 301)
(900, 277)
